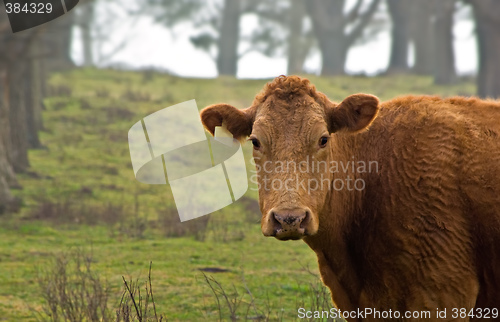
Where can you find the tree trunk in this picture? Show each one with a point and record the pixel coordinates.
(487, 26)
(329, 23)
(18, 91)
(5, 130)
(297, 52)
(333, 53)
(7, 175)
(227, 59)
(33, 106)
(33, 96)
(399, 11)
(444, 64)
(57, 40)
(331, 27)
(18, 117)
(86, 18)
(6, 197)
(422, 36)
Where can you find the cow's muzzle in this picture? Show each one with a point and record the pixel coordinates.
(285, 224)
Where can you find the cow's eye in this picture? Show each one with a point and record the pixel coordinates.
(323, 141)
(256, 143)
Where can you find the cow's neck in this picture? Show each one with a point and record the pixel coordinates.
(337, 220)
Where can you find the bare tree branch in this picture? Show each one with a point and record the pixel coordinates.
(354, 13)
(364, 19)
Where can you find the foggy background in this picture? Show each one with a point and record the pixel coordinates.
(142, 41)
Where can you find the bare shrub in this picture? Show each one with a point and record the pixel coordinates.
(135, 307)
(135, 96)
(231, 301)
(115, 136)
(78, 210)
(72, 290)
(172, 226)
(232, 304)
(225, 229)
(315, 296)
(71, 139)
(84, 104)
(251, 208)
(59, 105)
(13, 205)
(102, 92)
(117, 113)
(134, 225)
(148, 75)
(60, 90)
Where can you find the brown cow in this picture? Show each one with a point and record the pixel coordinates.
(400, 200)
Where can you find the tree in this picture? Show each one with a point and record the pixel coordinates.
(487, 18)
(20, 104)
(227, 42)
(56, 39)
(428, 25)
(219, 26)
(444, 56)
(7, 175)
(300, 39)
(336, 31)
(422, 35)
(96, 20)
(283, 31)
(296, 55)
(84, 19)
(400, 12)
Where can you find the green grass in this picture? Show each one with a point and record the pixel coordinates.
(86, 172)
(180, 290)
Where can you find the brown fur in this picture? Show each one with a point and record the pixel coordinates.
(425, 231)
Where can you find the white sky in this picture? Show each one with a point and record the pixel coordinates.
(152, 45)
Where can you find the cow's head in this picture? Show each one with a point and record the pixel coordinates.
(292, 128)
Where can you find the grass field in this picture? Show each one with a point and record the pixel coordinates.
(81, 194)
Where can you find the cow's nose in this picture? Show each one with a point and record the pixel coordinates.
(289, 219)
(290, 223)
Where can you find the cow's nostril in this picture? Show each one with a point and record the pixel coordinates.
(288, 218)
(276, 222)
(305, 220)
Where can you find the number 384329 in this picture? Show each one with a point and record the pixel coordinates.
(28, 7)
(477, 313)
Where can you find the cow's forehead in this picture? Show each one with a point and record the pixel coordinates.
(301, 116)
(295, 108)
(291, 105)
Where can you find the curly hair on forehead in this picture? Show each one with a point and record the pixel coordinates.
(287, 88)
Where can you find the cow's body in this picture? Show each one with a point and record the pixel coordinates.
(424, 232)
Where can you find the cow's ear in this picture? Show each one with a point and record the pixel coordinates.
(238, 122)
(354, 114)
